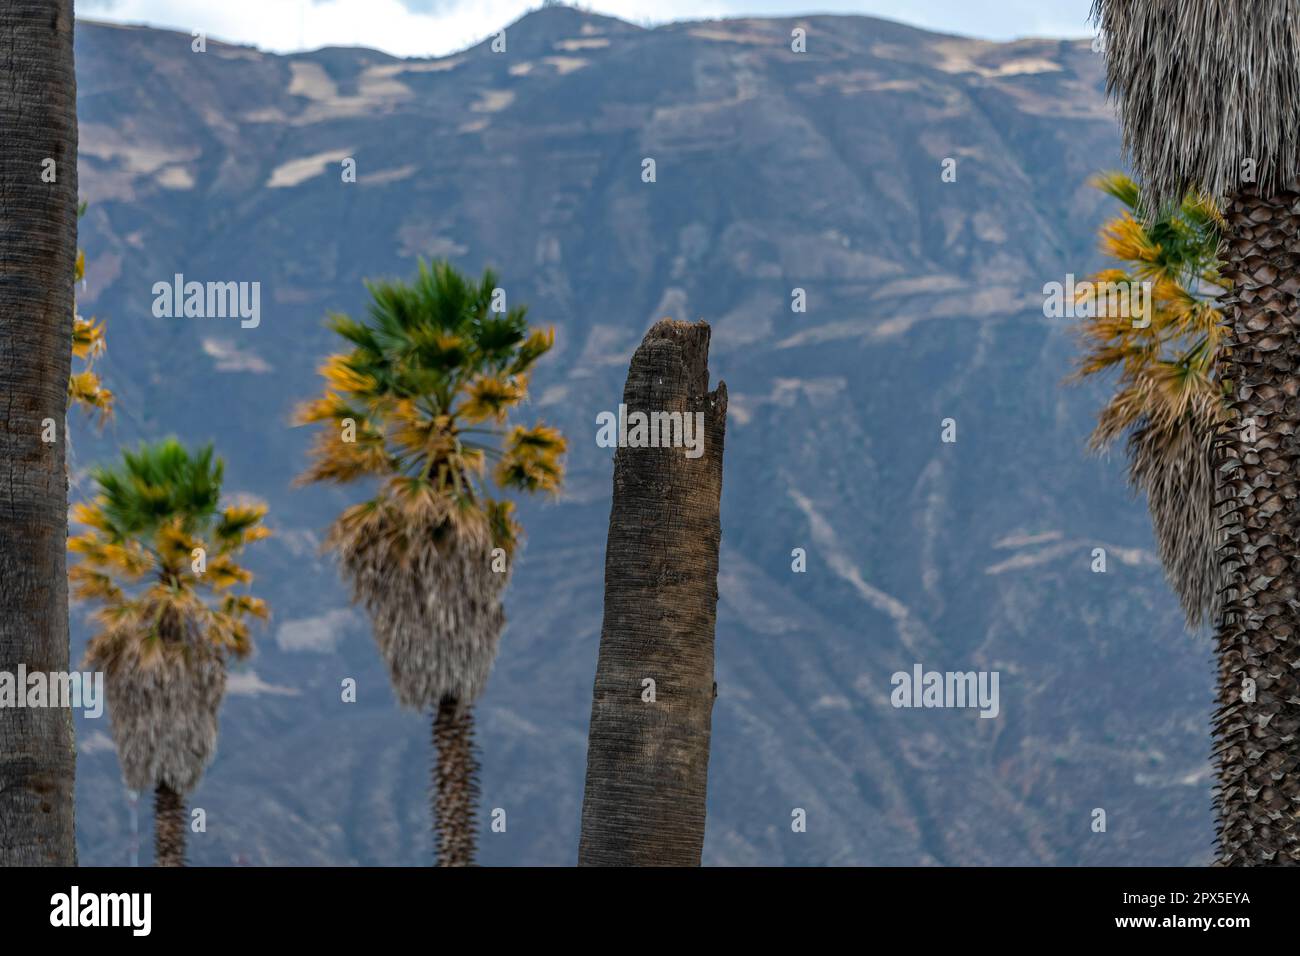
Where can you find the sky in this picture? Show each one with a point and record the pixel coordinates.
(438, 27)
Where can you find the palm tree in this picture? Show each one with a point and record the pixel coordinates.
(648, 746)
(1167, 400)
(1207, 94)
(159, 554)
(38, 125)
(419, 401)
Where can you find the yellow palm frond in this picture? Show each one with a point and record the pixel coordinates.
(490, 397)
(175, 545)
(335, 460)
(532, 459)
(129, 560)
(88, 340)
(340, 376)
(87, 584)
(85, 388)
(91, 514)
(223, 573)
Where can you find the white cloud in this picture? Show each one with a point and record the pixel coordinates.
(248, 684)
(229, 357)
(95, 742)
(287, 25)
(395, 26)
(321, 634)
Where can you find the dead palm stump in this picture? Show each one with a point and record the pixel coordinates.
(652, 706)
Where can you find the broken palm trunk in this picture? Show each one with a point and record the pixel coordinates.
(652, 706)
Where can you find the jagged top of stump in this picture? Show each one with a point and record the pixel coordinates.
(691, 341)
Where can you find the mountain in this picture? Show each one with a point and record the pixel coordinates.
(774, 171)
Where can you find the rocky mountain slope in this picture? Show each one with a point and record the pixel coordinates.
(775, 171)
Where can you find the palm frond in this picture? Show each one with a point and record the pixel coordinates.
(1167, 398)
(85, 388)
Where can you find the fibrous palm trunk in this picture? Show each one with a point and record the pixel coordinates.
(168, 827)
(455, 785)
(1256, 724)
(648, 749)
(38, 246)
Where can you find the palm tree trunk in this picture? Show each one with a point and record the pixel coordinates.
(1256, 724)
(455, 785)
(648, 760)
(38, 243)
(168, 827)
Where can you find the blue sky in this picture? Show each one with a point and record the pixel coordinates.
(436, 27)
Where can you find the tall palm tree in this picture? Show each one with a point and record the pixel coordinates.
(419, 400)
(159, 554)
(1208, 101)
(38, 248)
(1167, 399)
(648, 747)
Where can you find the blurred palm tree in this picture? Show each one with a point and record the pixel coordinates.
(159, 554)
(419, 402)
(1167, 399)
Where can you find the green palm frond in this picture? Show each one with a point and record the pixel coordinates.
(156, 484)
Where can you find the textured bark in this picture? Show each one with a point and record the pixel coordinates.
(648, 762)
(168, 827)
(38, 242)
(1258, 791)
(455, 785)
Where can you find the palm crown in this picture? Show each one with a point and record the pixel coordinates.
(427, 385)
(159, 552)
